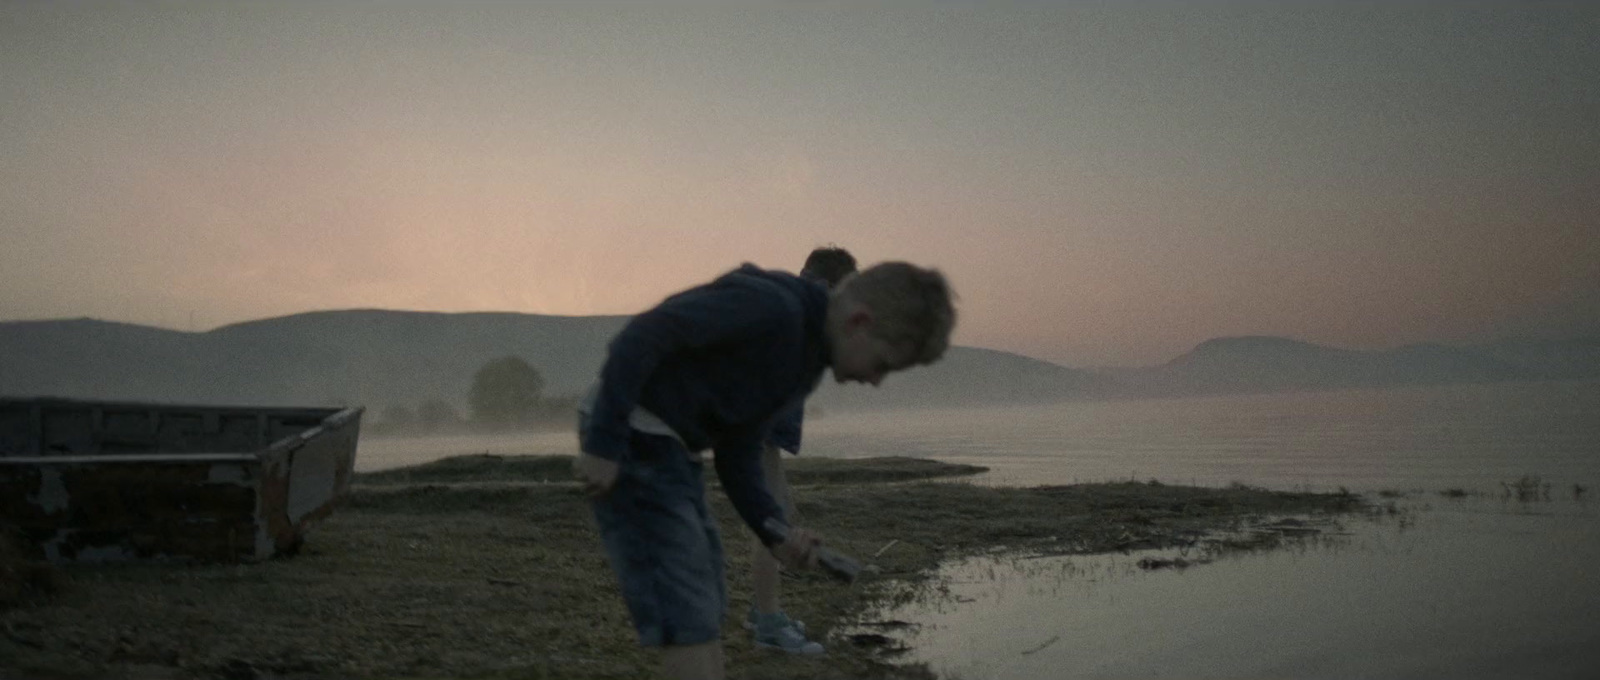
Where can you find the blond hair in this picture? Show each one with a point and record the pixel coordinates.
(912, 307)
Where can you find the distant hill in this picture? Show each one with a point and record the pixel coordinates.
(364, 356)
(381, 358)
(966, 376)
(1274, 364)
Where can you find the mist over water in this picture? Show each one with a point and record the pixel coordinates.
(1466, 436)
(1471, 437)
(382, 453)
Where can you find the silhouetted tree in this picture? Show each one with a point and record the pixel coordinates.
(505, 392)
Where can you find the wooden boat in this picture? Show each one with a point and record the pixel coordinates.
(89, 481)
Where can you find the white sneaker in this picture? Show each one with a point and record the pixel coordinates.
(776, 631)
(751, 616)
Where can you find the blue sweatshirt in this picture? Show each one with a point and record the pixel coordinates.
(719, 363)
(786, 431)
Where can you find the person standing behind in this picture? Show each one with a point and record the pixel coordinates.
(772, 626)
(714, 367)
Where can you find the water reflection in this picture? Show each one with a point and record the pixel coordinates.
(1466, 587)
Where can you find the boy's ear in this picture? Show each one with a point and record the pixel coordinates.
(858, 318)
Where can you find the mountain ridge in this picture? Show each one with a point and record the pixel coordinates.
(395, 357)
(379, 358)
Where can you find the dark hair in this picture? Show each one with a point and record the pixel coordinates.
(830, 264)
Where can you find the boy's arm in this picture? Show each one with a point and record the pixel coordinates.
(738, 463)
(698, 318)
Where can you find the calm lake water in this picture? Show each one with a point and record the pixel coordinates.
(1483, 585)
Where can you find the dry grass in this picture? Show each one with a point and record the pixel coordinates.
(466, 569)
(23, 580)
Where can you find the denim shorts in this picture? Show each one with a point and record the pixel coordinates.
(663, 544)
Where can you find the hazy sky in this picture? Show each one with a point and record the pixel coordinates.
(1104, 183)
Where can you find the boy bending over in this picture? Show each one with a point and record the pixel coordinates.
(713, 368)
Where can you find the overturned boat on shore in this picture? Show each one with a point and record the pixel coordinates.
(91, 481)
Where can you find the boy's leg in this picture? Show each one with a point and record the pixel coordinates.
(764, 575)
(693, 662)
(763, 566)
(772, 627)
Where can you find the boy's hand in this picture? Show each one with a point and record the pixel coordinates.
(800, 550)
(597, 474)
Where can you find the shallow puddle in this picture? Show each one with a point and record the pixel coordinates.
(1477, 587)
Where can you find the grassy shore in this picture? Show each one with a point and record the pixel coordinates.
(489, 567)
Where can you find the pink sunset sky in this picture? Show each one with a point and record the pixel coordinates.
(1104, 183)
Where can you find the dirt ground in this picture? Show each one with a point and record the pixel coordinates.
(489, 567)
